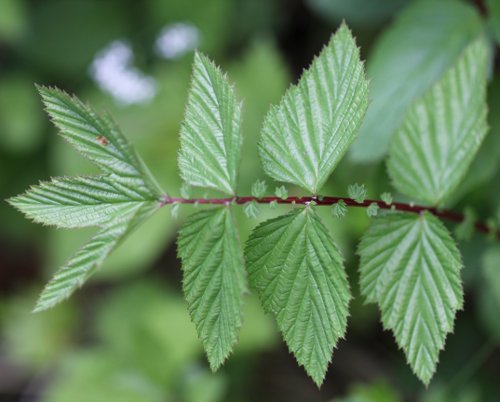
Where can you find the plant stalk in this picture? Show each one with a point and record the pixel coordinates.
(396, 206)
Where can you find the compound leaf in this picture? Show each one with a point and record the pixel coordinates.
(410, 267)
(214, 279)
(210, 134)
(299, 275)
(89, 258)
(97, 138)
(442, 132)
(117, 201)
(75, 202)
(306, 135)
(424, 42)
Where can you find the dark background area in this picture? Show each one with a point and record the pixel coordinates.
(126, 335)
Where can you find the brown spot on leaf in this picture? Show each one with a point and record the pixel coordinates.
(102, 140)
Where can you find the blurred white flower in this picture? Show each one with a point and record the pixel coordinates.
(176, 39)
(113, 72)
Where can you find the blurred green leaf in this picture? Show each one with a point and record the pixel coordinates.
(491, 272)
(202, 386)
(487, 310)
(443, 393)
(21, 118)
(147, 326)
(38, 340)
(423, 42)
(485, 164)
(493, 7)
(258, 330)
(376, 392)
(465, 229)
(98, 375)
(12, 20)
(357, 12)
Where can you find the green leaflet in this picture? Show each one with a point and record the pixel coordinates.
(89, 258)
(75, 202)
(299, 275)
(98, 139)
(425, 41)
(305, 137)
(410, 266)
(117, 201)
(210, 134)
(441, 133)
(214, 279)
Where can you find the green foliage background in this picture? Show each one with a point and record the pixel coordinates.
(127, 336)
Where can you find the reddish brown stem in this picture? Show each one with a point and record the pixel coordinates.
(398, 206)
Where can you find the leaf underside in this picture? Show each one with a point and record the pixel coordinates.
(410, 266)
(307, 134)
(214, 279)
(299, 275)
(441, 133)
(425, 40)
(210, 134)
